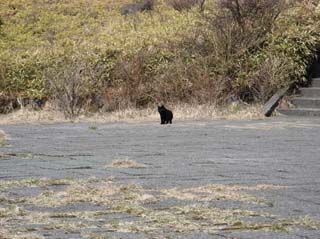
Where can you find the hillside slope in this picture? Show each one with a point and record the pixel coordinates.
(85, 55)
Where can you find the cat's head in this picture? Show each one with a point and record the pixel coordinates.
(161, 108)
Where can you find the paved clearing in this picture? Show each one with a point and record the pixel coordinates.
(192, 179)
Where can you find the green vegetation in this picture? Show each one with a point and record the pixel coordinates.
(85, 56)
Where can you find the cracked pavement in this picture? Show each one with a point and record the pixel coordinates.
(276, 151)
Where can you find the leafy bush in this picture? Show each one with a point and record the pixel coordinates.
(288, 51)
(259, 46)
(87, 56)
(23, 78)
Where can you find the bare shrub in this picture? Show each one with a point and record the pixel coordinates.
(238, 30)
(7, 104)
(269, 76)
(131, 83)
(75, 82)
(247, 13)
(68, 85)
(181, 5)
(151, 77)
(190, 81)
(244, 24)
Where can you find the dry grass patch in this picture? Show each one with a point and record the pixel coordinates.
(215, 192)
(4, 156)
(211, 112)
(77, 193)
(258, 187)
(125, 163)
(180, 112)
(21, 156)
(12, 234)
(45, 182)
(103, 193)
(126, 208)
(2, 135)
(3, 138)
(26, 115)
(275, 125)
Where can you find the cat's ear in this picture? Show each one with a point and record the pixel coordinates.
(160, 103)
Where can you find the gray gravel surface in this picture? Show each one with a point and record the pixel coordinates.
(278, 151)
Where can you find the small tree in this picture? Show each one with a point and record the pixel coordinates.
(75, 80)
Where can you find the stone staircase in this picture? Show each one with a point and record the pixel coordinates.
(307, 103)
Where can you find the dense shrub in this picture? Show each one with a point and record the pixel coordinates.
(287, 52)
(260, 46)
(86, 56)
(23, 78)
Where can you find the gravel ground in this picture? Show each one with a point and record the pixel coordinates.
(186, 155)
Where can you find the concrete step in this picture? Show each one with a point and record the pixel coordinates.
(300, 112)
(304, 102)
(315, 82)
(312, 92)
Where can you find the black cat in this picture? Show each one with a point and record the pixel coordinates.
(165, 115)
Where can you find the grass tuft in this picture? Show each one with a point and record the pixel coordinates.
(3, 138)
(125, 163)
